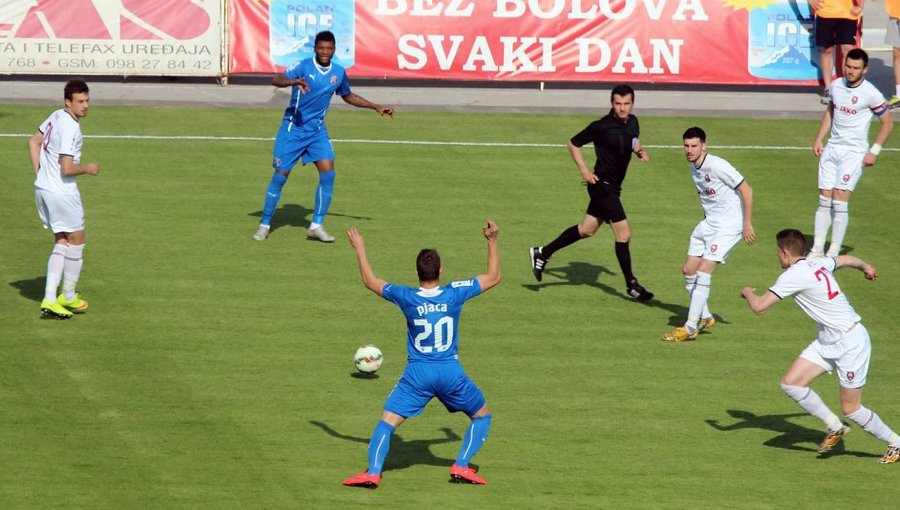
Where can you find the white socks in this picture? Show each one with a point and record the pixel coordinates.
(841, 219)
(54, 271)
(72, 269)
(699, 298)
(821, 224)
(871, 423)
(812, 403)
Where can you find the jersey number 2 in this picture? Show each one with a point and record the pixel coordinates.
(443, 334)
(821, 274)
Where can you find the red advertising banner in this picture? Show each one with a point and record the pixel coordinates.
(662, 41)
(112, 37)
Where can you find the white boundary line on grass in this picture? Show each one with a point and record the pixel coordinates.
(415, 142)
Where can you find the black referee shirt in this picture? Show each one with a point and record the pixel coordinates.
(612, 139)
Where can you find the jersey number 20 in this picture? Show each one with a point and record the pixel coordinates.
(442, 332)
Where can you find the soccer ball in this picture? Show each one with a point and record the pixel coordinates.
(368, 359)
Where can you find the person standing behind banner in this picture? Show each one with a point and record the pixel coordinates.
(837, 24)
(892, 37)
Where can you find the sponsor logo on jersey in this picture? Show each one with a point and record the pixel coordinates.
(709, 192)
(462, 283)
(427, 308)
(844, 109)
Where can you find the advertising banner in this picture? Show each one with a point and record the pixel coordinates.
(662, 41)
(112, 37)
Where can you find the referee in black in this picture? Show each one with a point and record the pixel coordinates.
(615, 139)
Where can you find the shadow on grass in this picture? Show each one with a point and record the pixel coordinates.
(295, 215)
(791, 436)
(845, 250)
(32, 289)
(584, 273)
(403, 454)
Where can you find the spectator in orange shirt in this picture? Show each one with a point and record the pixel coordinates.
(892, 37)
(837, 24)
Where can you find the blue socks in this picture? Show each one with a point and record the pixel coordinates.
(273, 195)
(323, 196)
(476, 435)
(379, 445)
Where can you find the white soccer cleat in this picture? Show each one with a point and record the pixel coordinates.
(261, 233)
(319, 234)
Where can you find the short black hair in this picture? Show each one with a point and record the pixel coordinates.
(428, 265)
(792, 240)
(858, 54)
(324, 35)
(694, 132)
(75, 86)
(622, 90)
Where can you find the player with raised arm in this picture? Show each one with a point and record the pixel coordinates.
(433, 371)
(842, 342)
(55, 151)
(727, 202)
(303, 135)
(854, 103)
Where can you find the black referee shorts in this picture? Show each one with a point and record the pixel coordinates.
(605, 204)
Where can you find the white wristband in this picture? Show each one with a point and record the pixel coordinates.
(875, 149)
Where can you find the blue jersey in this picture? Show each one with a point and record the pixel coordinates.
(432, 316)
(307, 109)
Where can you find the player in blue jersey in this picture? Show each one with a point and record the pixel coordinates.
(433, 369)
(303, 136)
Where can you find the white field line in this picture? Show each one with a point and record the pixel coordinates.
(413, 142)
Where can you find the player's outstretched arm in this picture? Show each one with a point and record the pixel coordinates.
(34, 150)
(369, 279)
(759, 304)
(747, 200)
(361, 102)
(492, 277)
(67, 166)
(856, 263)
(283, 80)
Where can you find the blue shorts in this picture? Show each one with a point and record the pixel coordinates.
(421, 382)
(292, 143)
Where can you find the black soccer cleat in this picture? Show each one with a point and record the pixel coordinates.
(538, 262)
(637, 292)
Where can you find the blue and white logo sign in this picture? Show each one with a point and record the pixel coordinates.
(293, 25)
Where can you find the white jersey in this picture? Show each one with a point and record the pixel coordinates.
(815, 290)
(853, 111)
(62, 137)
(717, 183)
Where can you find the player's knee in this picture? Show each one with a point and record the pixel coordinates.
(797, 393)
(850, 409)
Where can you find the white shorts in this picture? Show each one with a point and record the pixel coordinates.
(892, 34)
(850, 356)
(713, 243)
(840, 168)
(59, 213)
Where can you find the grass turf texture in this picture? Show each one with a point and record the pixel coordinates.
(212, 371)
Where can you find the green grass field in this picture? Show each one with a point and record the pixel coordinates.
(212, 371)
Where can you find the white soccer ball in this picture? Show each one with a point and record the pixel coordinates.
(368, 359)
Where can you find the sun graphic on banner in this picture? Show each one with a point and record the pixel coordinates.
(748, 4)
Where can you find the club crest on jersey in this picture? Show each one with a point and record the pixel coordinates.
(277, 162)
(706, 178)
(333, 80)
(713, 248)
(854, 99)
(846, 178)
(850, 376)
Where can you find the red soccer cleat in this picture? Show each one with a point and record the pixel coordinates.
(363, 480)
(466, 474)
